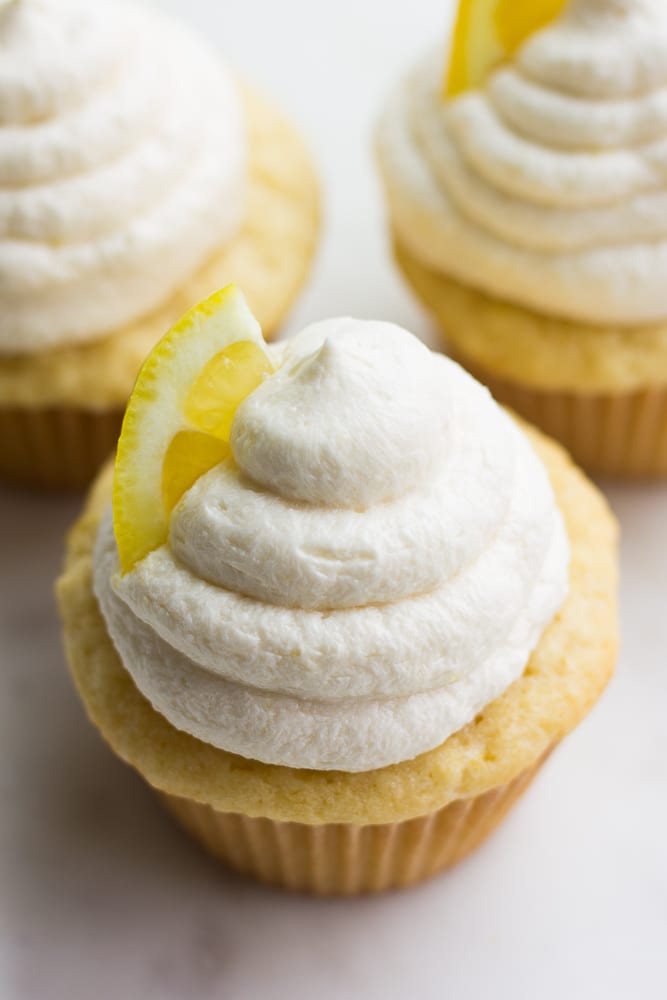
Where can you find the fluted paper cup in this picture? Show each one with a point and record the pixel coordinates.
(55, 448)
(344, 859)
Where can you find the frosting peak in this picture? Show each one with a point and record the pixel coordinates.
(122, 165)
(354, 416)
(289, 622)
(549, 186)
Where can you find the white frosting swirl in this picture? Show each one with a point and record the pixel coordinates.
(374, 566)
(548, 187)
(122, 166)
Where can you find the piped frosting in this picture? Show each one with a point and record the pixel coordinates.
(372, 566)
(122, 166)
(548, 187)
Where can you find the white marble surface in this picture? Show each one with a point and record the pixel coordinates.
(100, 896)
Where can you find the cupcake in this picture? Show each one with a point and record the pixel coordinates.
(528, 210)
(136, 176)
(341, 607)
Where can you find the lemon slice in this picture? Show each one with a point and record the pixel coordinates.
(489, 31)
(179, 416)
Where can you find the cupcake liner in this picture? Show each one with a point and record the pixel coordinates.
(345, 859)
(621, 435)
(55, 448)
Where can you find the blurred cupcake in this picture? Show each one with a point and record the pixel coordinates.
(530, 216)
(135, 178)
(342, 608)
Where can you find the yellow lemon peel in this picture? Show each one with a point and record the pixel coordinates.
(179, 416)
(487, 32)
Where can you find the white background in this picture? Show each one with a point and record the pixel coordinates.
(101, 897)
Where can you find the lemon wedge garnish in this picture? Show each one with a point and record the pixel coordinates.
(178, 419)
(489, 31)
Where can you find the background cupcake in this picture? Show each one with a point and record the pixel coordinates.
(528, 209)
(341, 648)
(135, 177)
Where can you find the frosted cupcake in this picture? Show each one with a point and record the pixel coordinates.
(342, 607)
(528, 208)
(135, 178)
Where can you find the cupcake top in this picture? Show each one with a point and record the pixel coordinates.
(122, 166)
(371, 565)
(548, 187)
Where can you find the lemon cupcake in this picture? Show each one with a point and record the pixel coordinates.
(528, 207)
(136, 176)
(342, 607)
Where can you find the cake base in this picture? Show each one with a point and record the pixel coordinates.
(343, 859)
(343, 832)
